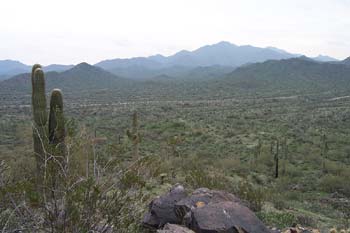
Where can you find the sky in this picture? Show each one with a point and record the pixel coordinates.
(73, 31)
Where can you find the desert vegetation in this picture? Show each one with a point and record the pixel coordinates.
(94, 161)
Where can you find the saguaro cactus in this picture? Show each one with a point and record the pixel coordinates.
(134, 135)
(275, 153)
(39, 115)
(47, 139)
(324, 152)
(277, 159)
(284, 155)
(57, 131)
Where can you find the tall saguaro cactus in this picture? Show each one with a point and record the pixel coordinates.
(49, 139)
(276, 157)
(324, 152)
(39, 115)
(56, 118)
(57, 131)
(134, 135)
(275, 147)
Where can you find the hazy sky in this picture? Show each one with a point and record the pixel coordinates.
(72, 31)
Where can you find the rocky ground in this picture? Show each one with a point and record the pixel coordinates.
(207, 211)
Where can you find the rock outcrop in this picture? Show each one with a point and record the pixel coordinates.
(161, 209)
(204, 211)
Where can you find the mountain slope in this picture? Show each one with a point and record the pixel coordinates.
(10, 67)
(346, 61)
(57, 67)
(323, 58)
(295, 74)
(225, 54)
(82, 77)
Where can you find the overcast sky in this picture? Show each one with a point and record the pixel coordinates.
(72, 31)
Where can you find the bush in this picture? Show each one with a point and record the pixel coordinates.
(254, 196)
(199, 177)
(332, 184)
(280, 220)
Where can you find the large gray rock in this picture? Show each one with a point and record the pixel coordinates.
(200, 197)
(225, 217)
(172, 228)
(161, 209)
(204, 211)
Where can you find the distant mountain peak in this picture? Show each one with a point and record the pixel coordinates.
(157, 56)
(347, 60)
(83, 64)
(223, 53)
(304, 58)
(224, 43)
(182, 52)
(324, 58)
(277, 50)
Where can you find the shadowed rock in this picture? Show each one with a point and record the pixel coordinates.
(201, 197)
(225, 217)
(204, 211)
(161, 209)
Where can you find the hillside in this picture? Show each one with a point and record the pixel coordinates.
(10, 68)
(296, 75)
(323, 58)
(346, 61)
(79, 78)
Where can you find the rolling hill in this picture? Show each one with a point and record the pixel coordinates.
(9, 68)
(298, 75)
(82, 77)
(346, 61)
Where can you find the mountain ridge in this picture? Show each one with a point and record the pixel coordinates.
(9, 68)
(80, 77)
(223, 53)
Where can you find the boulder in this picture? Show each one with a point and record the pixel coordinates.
(161, 209)
(204, 211)
(225, 217)
(172, 228)
(201, 197)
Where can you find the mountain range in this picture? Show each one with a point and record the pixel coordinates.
(293, 75)
(223, 54)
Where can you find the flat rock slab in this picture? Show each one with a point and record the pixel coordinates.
(225, 217)
(201, 197)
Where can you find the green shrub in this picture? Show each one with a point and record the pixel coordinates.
(255, 196)
(331, 183)
(199, 177)
(280, 220)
